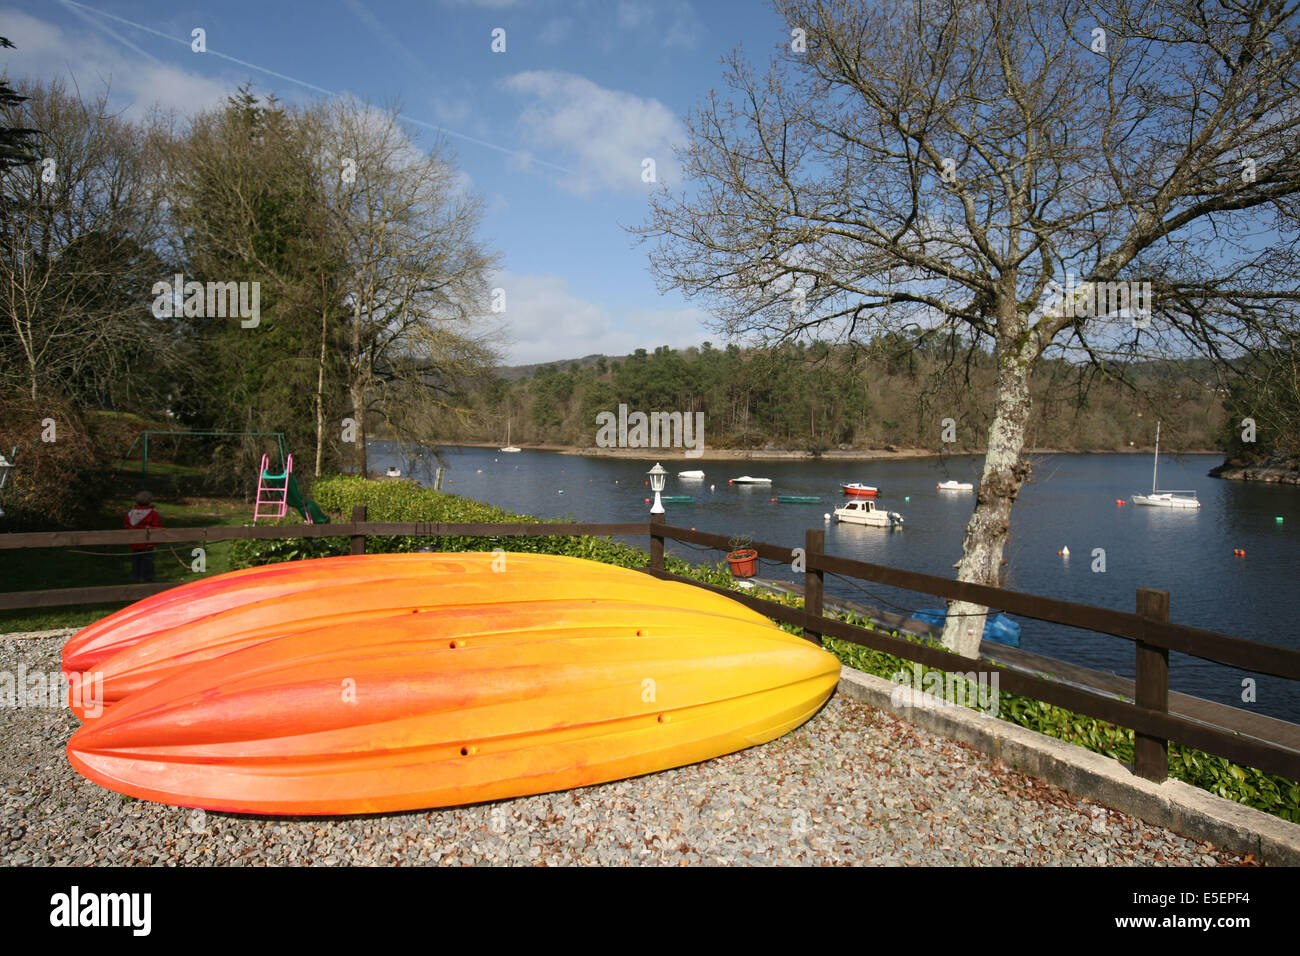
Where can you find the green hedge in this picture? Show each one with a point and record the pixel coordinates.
(402, 501)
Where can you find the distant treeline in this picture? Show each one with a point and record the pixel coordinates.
(895, 392)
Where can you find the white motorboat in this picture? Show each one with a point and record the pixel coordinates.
(690, 474)
(747, 480)
(393, 472)
(1165, 499)
(856, 489)
(955, 486)
(864, 511)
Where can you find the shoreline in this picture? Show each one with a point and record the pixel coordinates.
(785, 454)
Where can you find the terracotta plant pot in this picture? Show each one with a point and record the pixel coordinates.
(744, 563)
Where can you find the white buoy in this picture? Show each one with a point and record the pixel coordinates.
(1064, 552)
(711, 487)
(826, 517)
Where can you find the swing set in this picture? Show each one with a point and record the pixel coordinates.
(276, 492)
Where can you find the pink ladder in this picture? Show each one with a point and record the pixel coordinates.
(272, 491)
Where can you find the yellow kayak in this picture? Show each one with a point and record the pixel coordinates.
(552, 673)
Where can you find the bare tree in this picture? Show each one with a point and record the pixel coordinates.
(414, 274)
(77, 254)
(997, 168)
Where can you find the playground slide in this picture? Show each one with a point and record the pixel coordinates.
(306, 507)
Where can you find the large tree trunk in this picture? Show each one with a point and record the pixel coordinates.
(986, 533)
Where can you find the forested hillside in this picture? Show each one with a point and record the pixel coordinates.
(817, 397)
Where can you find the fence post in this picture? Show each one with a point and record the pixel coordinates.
(656, 543)
(1151, 754)
(814, 543)
(358, 540)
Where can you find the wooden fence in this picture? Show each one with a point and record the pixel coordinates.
(1148, 627)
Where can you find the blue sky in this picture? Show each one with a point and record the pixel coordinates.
(589, 86)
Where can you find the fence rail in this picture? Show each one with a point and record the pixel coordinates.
(1148, 627)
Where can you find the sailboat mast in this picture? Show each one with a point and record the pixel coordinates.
(1155, 464)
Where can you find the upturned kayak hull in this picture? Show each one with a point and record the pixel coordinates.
(138, 646)
(460, 704)
(270, 585)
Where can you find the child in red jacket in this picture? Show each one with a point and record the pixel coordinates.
(142, 515)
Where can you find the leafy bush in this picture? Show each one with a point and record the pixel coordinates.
(53, 484)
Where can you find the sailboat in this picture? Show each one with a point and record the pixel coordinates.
(1165, 499)
(509, 447)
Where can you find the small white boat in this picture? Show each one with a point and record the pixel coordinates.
(747, 480)
(955, 486)
(509, 449)
(393, 472)
(856, 489)
(1168, 499)
(690, 474)
(1165, 499)
(864, 511)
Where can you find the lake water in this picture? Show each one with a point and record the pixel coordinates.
(1069, 502)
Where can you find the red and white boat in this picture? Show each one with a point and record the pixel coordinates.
(858, 490)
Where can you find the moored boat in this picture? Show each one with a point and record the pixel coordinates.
(747, 480)
(864, 511)
(1165, 499)
(855, 489)
(690, 474)
(509, 448)
(952, 485)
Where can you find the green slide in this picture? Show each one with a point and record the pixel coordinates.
(306, 507)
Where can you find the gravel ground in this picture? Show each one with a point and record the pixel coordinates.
(852, 786)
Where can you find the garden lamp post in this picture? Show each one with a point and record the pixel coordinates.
(657, 478)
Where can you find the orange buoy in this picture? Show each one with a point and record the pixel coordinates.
(1120, 502)
(1239, 552)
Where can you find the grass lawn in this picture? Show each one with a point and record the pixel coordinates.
(44, 568)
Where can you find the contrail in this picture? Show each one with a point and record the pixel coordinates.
(313, 86)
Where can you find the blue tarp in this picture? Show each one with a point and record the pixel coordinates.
(997, 627)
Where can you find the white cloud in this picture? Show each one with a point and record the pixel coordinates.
(546, 322)
(46, 52)
(608, 133)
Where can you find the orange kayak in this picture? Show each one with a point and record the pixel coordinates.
(349, 591)
(461, 703)
(182, 606)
